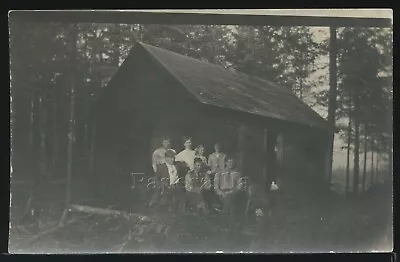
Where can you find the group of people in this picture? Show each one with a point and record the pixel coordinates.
(189, 179)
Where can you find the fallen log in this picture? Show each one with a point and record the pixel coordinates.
(23, 229)
(109, 212)
(48, 231)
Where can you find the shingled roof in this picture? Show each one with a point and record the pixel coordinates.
(217, 86)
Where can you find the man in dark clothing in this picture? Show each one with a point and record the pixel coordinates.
(168, 183)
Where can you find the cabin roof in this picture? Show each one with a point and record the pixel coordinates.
(217, 86)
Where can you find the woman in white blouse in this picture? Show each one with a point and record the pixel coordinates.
(188, 154)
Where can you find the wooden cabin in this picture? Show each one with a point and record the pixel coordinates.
(157, 92)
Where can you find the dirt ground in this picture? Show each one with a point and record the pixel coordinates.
(293, 222)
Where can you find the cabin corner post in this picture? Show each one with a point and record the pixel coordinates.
(265, 162)
(270, 163)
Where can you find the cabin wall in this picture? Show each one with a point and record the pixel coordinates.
(242, 137)
(203, 126)
(143, 103)
(164, 109)
(304, 156)
(180, 122)
(269, 150)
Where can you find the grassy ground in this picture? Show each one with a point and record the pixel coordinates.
(295, 220)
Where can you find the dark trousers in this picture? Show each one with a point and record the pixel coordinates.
(195, 200)
(234, 206)
(172, 197)
(210, 198)
(175, 197)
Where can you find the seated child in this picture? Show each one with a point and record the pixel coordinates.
(197, 183)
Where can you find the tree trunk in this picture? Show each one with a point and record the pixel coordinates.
(92, 149)
(86, 141)
(377, 163)
(356, 169)
(301, 88)
(42, 110)
(140, 33)
(71, 129)
(372, 162)
(32, 121)
(75, 131)
(390, 160)
(32, 131)
(365, 158)
(348, 156)
(55, 137)
(332, 96)
(33, 205)
(265, 149)
(70, 141)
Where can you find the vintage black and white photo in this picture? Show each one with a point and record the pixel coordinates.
(132, 137)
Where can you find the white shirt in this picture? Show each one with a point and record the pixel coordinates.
(158, 157)
(173, 174)
(186, 155)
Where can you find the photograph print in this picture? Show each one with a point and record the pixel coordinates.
(132, 137)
